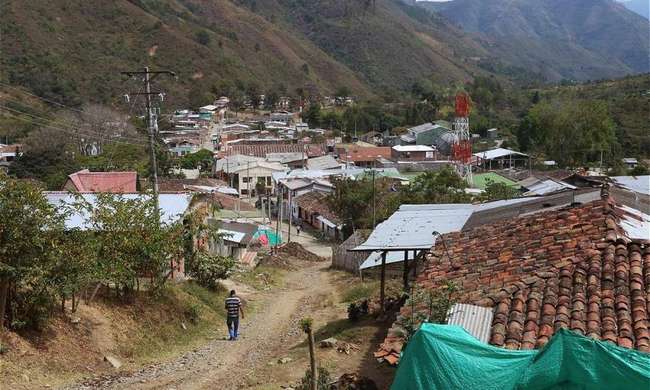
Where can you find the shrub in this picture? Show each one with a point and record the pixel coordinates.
(324, 380)
(193, 313)
(207, 269)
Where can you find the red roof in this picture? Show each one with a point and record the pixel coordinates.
(364, 153)
(571, 268)
(116, 182)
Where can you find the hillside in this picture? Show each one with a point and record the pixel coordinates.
(387, 43)
(577, 39)
(73, 51)
(68, 50)
(628, 100)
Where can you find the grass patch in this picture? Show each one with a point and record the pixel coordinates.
(261, 278)
(185, 316)
(361, 290)
(344, 330)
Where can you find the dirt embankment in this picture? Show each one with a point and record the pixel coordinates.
(77, 345)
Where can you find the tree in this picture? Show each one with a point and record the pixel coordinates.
(29, 232)
(342, 91)
(312, 115)
(49, 156)
(207, 268)
(271, 99)
(571, 133)
(202, 37)
(499, 191)
(444, 186)
(131, 242)
(202, 159)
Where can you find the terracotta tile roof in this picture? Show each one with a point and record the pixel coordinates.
(578, 268)
(316, 202)
(364, 154)
(118, 182)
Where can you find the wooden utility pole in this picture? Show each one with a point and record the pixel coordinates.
(382, 291)
(405, 276)
(307, 326)
(289, 215)
(152, 121)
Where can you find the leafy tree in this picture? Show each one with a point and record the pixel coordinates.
(571, 133)
(29, 233)
(207, 268)
(312, 115)
(271, 99)
(49, 156)
(498, 191)
(202, 37)
(131, 242)
(203, 159)
(640, 170)
(444, 186)
(342, 91)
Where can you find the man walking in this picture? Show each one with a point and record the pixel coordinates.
(233, 308)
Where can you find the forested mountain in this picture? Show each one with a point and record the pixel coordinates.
(562, 39)
(73, 50)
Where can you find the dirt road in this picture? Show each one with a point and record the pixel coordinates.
(230, 365)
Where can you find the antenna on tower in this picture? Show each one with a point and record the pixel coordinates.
(462, 147)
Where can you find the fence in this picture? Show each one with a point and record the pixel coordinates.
(346, 260)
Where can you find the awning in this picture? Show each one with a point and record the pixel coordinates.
(327, 222)
(374, 260)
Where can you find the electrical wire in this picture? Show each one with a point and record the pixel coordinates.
(68, 128)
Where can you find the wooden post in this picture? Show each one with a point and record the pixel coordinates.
(405, 274)
(312, 361)
(382, 291)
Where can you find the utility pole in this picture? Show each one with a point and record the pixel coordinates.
(290, 215)
(152, 121)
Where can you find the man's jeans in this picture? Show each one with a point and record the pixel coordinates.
(233, 327)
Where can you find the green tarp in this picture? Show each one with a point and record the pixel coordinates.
(446, 357)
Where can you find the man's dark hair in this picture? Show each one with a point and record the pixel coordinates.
(232, 292)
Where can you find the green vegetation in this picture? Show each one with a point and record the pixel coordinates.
(200, 310)
(261, 277)
(123, 243)
(203, 159)
(360, 291)
(570, 133)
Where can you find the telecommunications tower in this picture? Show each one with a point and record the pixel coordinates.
(462, 148)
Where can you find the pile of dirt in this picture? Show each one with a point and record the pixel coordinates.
(295, 250)
(287, 255)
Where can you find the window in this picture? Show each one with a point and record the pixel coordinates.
(268, 180)
(244, 179)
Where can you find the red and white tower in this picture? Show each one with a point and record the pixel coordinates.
(462, 148)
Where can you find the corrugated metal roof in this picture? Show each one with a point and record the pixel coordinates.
(230, 235)
(498, 152)
(635, 223)
(476, 320)
(172, 206)
(374, 260)
(640, 184)
(323, 162)
(412, 226)
(548, 186)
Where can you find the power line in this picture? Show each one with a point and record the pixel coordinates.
(71, 131)
(39, 97)
(79, 131)
(152, 121)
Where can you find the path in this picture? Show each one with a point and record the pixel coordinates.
(232, 365)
